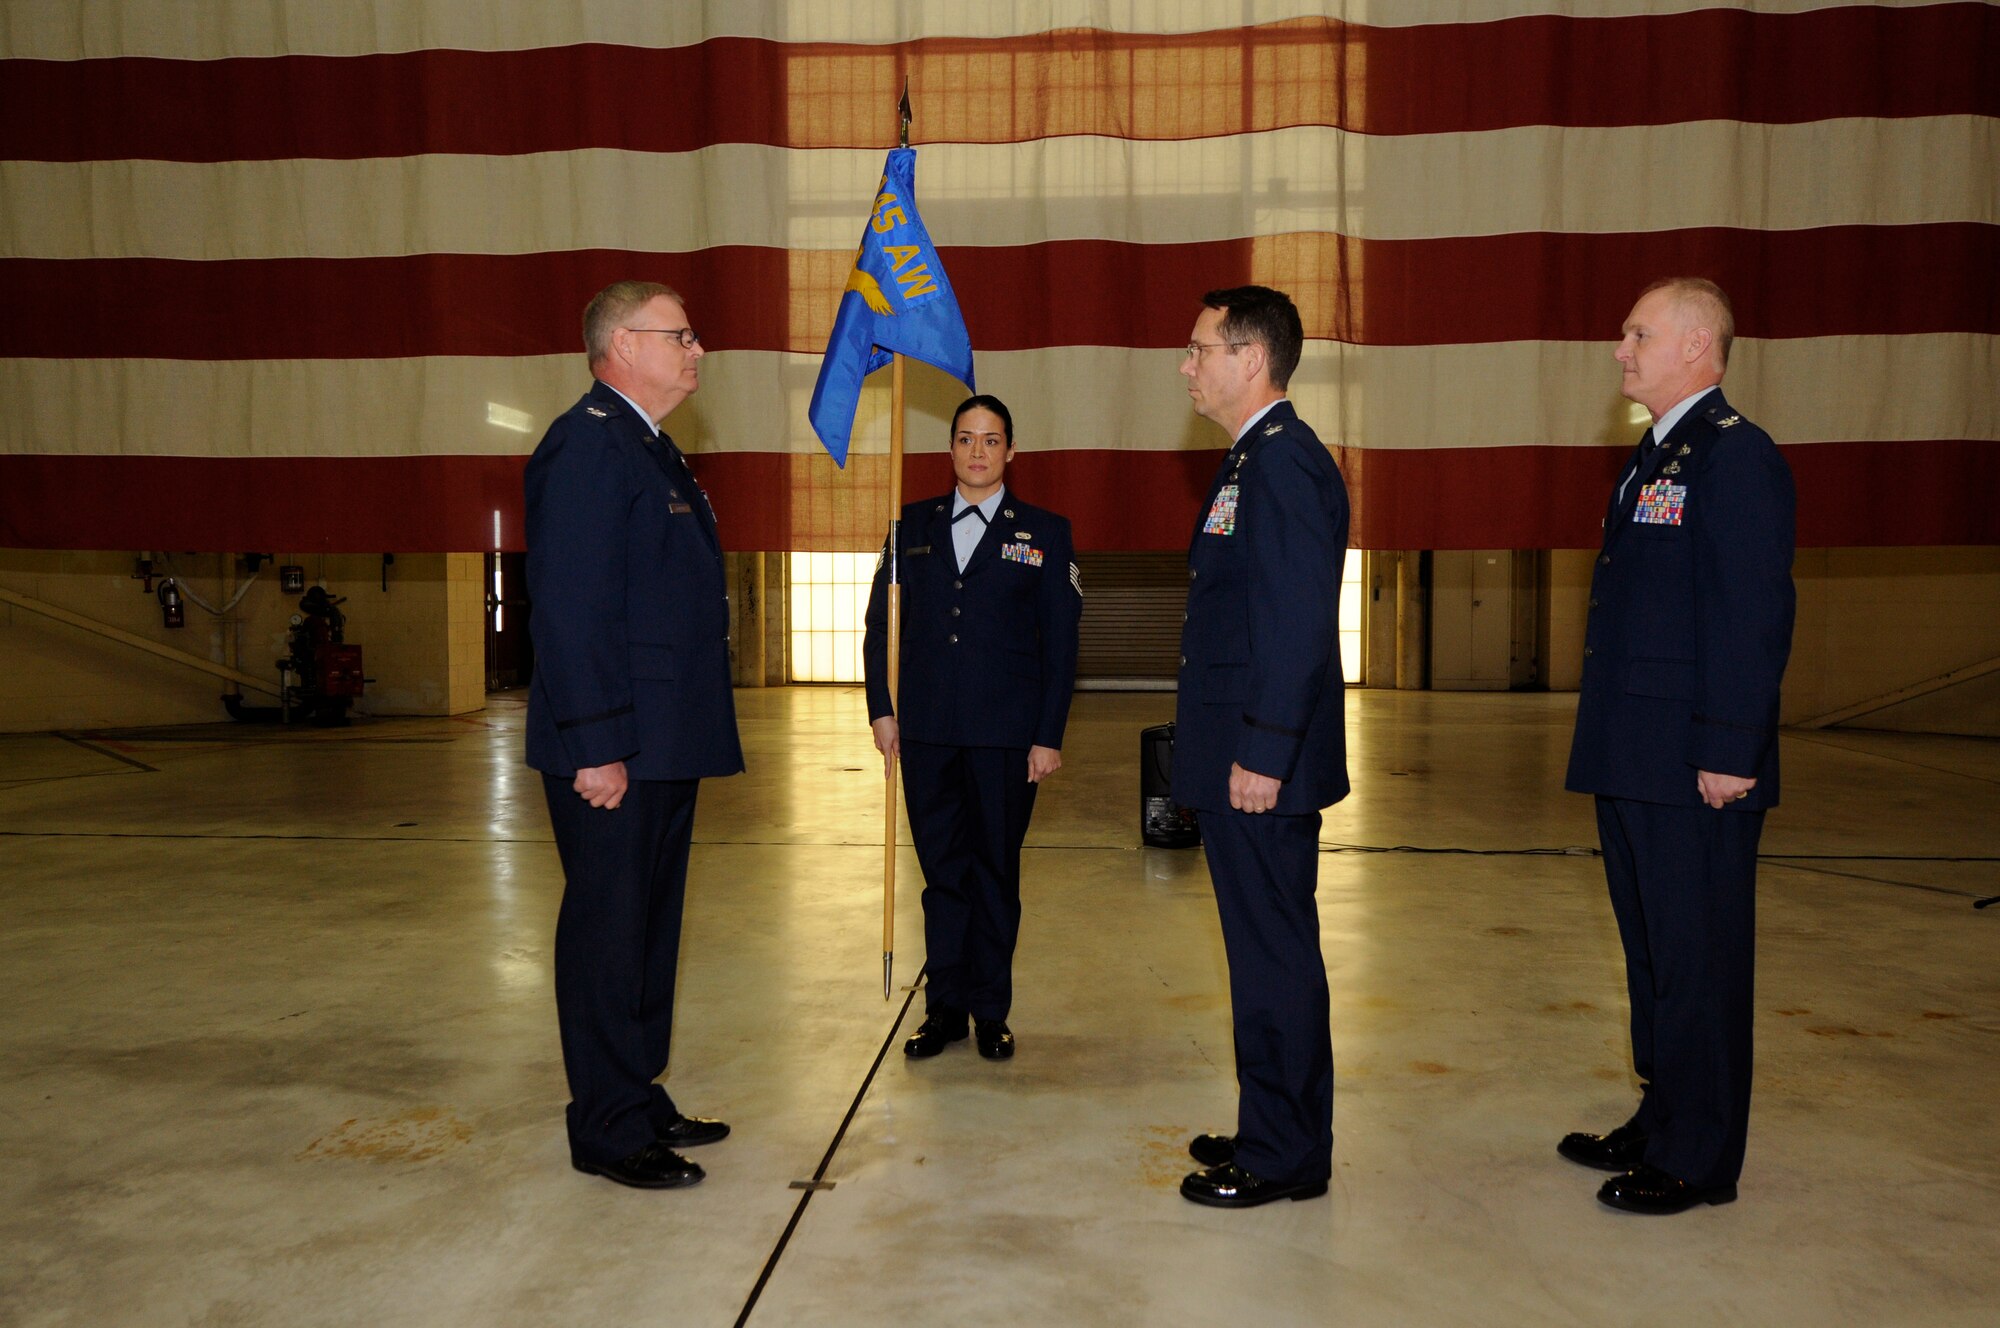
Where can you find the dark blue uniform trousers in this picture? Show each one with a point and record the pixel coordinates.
(1266, 868)
(969, 810)
(1683, 885)
(618, 941)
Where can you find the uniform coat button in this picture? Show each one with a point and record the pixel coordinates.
(958, 585)
(1587, 651)
(1593, 601)
(1183, 661)
(953, 638)
(954, 610)
(1604, 560)
(1192, 574)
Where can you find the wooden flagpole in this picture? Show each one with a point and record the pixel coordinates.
(895, 626)
(895, 669)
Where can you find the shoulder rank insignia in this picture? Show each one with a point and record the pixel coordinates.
(1728, 420)
(598, 411)
(1272, 428)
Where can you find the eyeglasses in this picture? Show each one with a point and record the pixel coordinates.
(1195, 348)
(687, 336)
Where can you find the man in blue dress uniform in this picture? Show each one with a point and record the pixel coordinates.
(629, 709)
(1259, 747)
(991, 599)
(1676, 734)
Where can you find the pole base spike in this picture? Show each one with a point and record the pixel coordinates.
(888, 967)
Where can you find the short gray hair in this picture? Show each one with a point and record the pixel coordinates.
(610, 307)
(1703, 304)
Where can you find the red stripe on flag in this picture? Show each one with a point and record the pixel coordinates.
(1884, 494)
(1837, 280)
(1846, 61)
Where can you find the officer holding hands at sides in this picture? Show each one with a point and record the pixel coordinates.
(629, 711)
(1691, 607)
(990, 603)
(1259, 747)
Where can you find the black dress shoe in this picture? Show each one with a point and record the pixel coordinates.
(1230, 1186)
(996, 1043)
(1213, 1150)
(939, 1029)
(690, 1131)
(1651, 1190)
(654, 1167)
(1621, 1150)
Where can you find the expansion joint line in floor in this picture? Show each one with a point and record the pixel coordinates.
(819, 1182)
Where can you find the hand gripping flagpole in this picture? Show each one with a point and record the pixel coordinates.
(895, 624)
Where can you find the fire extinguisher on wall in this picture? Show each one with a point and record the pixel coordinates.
(171, 611)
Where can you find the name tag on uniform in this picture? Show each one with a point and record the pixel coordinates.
(1021, 553)
(1222, 513)
(916, 549)
(1660, 504)
(679, 509)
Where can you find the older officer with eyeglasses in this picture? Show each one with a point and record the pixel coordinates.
(629, 710)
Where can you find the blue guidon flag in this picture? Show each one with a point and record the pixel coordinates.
(897, 301)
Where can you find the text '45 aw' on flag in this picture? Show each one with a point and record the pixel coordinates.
(897, 301)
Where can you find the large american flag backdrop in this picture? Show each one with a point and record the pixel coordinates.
(295, 275)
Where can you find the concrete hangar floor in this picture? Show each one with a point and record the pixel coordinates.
(280, 1047)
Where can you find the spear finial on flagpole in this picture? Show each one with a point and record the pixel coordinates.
(903, 111)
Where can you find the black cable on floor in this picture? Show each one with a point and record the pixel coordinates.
(1585, 851)
(1572, 851)
(1795, 861)
(777, 1251)
(102, 750)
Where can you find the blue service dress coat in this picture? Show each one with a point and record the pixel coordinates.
(1691, 608)
(631, 611)
(1260, 678)
(1690, 626)
(989, 654)
(1261, 687)
(631, 630)
(988, 667)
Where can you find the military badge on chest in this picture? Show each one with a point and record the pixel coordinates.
(1660, 504)
(1221, 519)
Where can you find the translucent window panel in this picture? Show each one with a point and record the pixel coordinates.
(829, 604)
(1353, 616)
(1350, 592)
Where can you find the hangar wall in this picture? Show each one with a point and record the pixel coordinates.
(423, 636)
(1870, 621)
